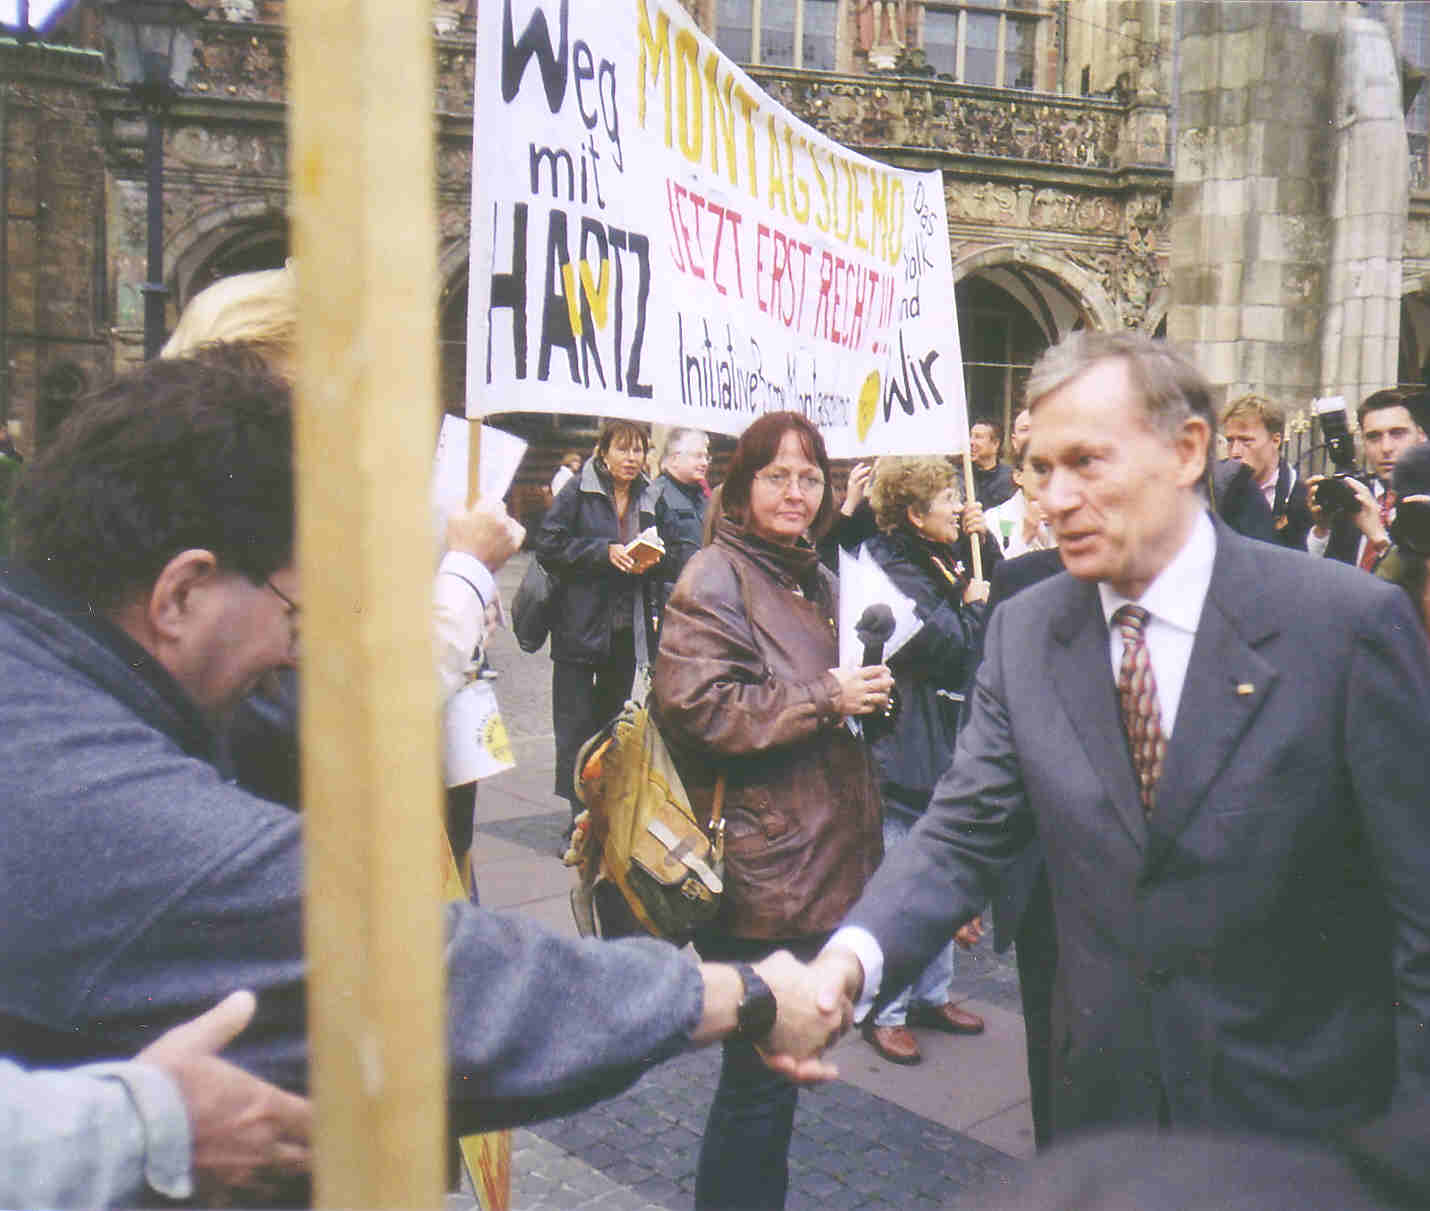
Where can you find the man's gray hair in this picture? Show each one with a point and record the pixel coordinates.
(676, 438)
(1172, 389)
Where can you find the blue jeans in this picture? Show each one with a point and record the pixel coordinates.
(933, 983)
(744, 1154)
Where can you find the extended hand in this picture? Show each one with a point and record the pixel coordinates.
(245, 1131)
(1367, 515)
(813, 1014)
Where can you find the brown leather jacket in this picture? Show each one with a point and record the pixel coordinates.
(748, 690)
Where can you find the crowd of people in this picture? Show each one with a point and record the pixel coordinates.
(1176, 734)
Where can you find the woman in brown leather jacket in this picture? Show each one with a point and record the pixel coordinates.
(745, 684)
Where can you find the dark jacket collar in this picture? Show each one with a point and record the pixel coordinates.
(796, 564)
(104, 651)
(694, 491)
(903, 543)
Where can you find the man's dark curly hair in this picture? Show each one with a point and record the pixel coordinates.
(182, 453)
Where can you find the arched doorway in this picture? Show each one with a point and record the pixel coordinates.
(1413, 361)
(1008, 314)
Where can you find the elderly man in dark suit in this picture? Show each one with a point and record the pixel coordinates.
(1224, 748)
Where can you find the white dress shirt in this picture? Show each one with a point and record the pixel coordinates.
(1174, 601)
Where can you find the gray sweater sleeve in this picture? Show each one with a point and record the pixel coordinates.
(91, 1137)
(540, 1025)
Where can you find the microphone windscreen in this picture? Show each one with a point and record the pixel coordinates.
(875, 624)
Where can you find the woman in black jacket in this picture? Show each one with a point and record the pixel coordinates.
(601, 624)
(916, 504)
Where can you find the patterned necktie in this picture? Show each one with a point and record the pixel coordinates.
(1370, 556)
(1137, 689)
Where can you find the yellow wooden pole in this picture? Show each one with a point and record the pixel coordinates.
(364, 232)
(975, 544)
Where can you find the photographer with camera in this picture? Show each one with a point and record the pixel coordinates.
(1351, 518)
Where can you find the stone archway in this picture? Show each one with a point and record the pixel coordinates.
(1058, 284)
(1013, 303)
(1413, 368)
(238, 237)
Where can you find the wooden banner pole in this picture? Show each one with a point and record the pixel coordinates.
(365, 238)
(474, 459)
(975, 544)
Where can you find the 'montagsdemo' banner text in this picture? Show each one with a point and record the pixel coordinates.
(654, 237)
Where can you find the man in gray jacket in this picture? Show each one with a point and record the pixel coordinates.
(153, 584)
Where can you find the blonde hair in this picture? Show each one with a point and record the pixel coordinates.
(902, 483)
(259, 309)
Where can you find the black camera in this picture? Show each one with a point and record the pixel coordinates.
(1334, 496)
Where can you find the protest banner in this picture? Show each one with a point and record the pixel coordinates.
(653, 237)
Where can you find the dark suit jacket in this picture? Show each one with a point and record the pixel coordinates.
(1291, 512)
(1019, 877)
(1257, 955)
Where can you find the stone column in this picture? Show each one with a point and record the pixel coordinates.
(1369, 199)
(1290, 199)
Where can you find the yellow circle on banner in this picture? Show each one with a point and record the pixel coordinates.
(495, 740)
(868, 404)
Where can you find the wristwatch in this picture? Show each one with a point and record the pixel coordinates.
(755, 1017)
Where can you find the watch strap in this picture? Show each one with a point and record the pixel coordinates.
(755, 1017)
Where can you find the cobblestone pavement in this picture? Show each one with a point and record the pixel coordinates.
(852, 1149)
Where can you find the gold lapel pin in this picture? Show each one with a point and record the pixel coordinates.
(1245, 688)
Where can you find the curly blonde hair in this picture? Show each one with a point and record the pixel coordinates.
(901, 483)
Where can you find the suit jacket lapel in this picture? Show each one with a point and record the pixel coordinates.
(1082, 678)
(1227, 683)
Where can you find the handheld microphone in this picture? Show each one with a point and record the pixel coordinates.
(873, 629)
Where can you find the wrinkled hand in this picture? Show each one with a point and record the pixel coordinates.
(245, 1131)
(864, 690)
(814, 1012)
(857, 488)
(972, 518)
(969, 934)
(487, 532)
(620, 559)
(977, 591)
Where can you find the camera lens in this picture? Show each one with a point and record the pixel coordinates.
(1335, 497)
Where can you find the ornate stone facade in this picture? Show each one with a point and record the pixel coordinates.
(54, 340)
(1061, 187)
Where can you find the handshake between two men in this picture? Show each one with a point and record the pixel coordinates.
(809, 1008)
